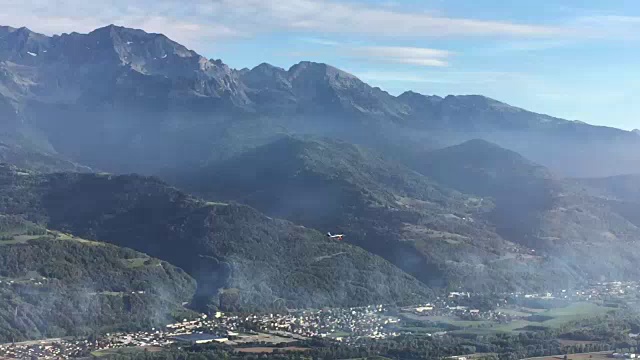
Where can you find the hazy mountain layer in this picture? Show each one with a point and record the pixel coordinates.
(519, 227)
(124, 100)
(240, 258)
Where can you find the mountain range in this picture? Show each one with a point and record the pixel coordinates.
(139, 102)
(229, 178)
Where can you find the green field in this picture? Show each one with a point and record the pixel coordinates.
(518, 312)
(551, 318)
(449, 320)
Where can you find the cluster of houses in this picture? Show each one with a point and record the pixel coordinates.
(343, 324)
(340, 323)
(70, 348)
(597, 291)
(46, 349)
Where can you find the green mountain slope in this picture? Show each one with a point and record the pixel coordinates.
(590, 226)
(240, 258)
(621, 193)
(54, 284)
(439, 235)
(520, 188)
(623, 187)
(513, 225)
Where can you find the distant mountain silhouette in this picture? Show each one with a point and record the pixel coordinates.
(135, 101)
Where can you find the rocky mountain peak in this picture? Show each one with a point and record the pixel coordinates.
(266, 76)
(21, 45)
(147, 53)
(414, 98)
(320, 71)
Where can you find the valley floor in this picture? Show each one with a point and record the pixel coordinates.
(453, 316)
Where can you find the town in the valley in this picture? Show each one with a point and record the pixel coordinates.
(285, 330)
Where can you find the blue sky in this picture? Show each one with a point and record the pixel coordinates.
(573, 59)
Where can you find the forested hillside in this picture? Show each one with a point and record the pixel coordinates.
(439, 235)
(240, 258)
(513, 225)
(521, 189)
(53, 284)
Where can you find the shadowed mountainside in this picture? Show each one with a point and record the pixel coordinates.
(240, 258)
(514, 226)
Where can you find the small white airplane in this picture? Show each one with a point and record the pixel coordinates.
(335, 236)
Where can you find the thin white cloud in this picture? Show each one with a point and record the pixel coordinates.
(419, 62)
(230, 17)
(318, 41)
(405, 52)
(404, 55)
(390, 54)
(359, 18)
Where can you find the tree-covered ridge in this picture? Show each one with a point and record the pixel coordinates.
(437, 234)
(509, 224)
(587, 228)
(239, 257)
(55, 284)
(621, 188)
(301, 165)
(520, 188)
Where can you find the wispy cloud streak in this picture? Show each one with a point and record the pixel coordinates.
(230, 17)
(404, 55)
